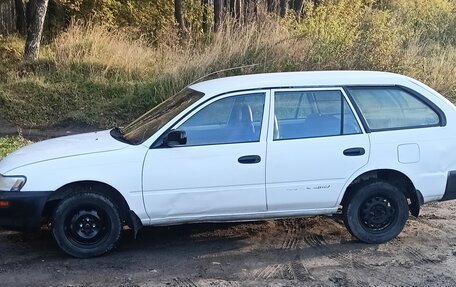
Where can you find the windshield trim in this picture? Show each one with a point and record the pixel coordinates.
(148, 117)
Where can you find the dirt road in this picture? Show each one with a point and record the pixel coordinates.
(300, 252)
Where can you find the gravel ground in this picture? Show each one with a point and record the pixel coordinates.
(315, 251)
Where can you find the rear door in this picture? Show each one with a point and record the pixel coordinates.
(407, 133)
(315, 143)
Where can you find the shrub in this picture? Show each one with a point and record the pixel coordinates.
(9, 144)
(429, 20)
(94, 74)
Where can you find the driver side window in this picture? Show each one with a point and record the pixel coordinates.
(235, 119)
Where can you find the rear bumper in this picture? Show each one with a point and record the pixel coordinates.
(22, 210)
(450, 190)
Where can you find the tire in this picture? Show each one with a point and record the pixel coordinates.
(86, 225)
(376, 212)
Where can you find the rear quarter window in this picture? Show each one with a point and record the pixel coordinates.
(393, 108)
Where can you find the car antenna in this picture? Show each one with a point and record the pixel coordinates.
(216, 72)
(220, 71)
(206, 76)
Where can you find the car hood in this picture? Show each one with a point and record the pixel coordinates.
(61, 147)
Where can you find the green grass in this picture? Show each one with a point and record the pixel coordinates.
(10, 144)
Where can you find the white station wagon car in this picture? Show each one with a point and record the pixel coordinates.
(376, 145)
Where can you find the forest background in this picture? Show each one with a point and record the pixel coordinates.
(103, 63)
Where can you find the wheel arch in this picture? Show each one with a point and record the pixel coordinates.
(128, 216)
(395, 177)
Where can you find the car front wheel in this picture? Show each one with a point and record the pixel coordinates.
(86, 225)
(376, 212)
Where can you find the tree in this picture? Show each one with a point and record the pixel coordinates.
(36, 11)
(272, 5)
(21, 22)
(218, 6)
(178, 15)
(205, 21)
(297, 6)
(7, 17)
(250, 10)
(283, 8)
(238, 9)
(231, 6)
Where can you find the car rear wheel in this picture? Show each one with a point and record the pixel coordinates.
(86, 225)
(376, 212)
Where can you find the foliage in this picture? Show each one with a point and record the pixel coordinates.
(151, 19)
(429, 20)
(9, 144)
(102, 72)
(11, 48)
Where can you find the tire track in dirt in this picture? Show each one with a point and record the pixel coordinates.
(293, 270)
(292, 237)
(231, 284)
(292, 241)
(269, 272)
(299, 271)
(219, 283)
(414, 254)
(319, 243)
(419, 257)
(184, 282)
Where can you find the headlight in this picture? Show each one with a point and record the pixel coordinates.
(11, 183)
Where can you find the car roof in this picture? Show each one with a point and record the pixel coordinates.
(298, 79)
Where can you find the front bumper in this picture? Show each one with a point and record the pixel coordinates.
(450, 190)
(22, 210)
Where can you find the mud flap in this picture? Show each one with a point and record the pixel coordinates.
(416, 200)
(135, 223)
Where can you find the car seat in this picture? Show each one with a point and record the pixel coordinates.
(240, 124)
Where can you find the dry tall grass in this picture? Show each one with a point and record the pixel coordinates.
(435, 66)
(101, 50)
(103, 76)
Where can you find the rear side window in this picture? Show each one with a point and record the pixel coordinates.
(306, 114)
(393, 108)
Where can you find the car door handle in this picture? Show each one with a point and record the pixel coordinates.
(249, 159)
(355, 151)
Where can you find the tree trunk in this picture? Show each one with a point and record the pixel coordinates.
(232, 8)
(179, 16)
(238, 9)
(7, 17)
(250, 10)
(218, 6)
(205, 21)
(297, 6)
(283, 8)
(21, 22)
(35, 28)
(272, 6)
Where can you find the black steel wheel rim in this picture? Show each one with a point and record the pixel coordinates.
(87, 225)
(377, 213)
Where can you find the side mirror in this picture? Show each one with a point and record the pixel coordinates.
(174, 138)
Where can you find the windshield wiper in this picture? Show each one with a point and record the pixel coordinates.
(119, 130)
(118, 134)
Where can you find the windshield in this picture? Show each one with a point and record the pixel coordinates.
(144, 127)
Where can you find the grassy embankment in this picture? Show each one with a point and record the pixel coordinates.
(9, 144)
(95, 76)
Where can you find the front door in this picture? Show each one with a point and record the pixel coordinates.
(221, 168)
(315, 144)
